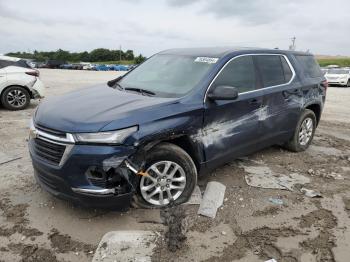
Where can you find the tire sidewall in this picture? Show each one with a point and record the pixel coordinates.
(306, 114)
(9, 106)
(166, 152)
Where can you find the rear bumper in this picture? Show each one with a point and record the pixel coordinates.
(70, 181)
(342, 83)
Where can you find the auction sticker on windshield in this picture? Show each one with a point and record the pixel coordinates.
(209, 60)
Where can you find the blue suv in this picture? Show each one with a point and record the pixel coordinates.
(145, 137)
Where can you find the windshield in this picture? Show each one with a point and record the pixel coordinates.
(168, 75)
(338, 71)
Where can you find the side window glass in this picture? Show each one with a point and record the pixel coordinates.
(239, 73)
(271, 70)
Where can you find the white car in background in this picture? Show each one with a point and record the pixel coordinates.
(338, 76)
(18, 83)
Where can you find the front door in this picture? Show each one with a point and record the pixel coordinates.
(231, 128)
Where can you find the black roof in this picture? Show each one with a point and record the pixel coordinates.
(223, 51)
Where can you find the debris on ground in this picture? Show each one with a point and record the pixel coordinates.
(310, 193)
(196, 197)
(213, 198)
(126, 246)
(176, 220)
(276, 201)
(264, 177)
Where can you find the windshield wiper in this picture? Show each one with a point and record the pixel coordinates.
(140, 90)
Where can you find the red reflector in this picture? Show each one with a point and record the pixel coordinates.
(324, 84)
(33, 73)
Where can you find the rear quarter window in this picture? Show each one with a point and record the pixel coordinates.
(309, 66)
(22, 63)
(274, 70)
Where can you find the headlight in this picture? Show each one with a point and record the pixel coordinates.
(109, 137)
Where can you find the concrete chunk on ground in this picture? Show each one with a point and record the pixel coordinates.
(213, 198)
(126, 246)
(264, 177)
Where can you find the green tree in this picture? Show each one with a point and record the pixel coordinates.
(61, 55)
(129, 55)
(139, 59)
(101, 54)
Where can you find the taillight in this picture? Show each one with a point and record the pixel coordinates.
(324, 83)
(33, 73)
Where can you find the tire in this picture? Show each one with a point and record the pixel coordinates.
(15, 98)
(167, 153)
(295, 144)
(348, 84)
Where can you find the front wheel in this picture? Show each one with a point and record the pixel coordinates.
(172, 178)
(304, 132)
(348, 84)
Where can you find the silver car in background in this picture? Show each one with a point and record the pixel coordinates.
(338, 76)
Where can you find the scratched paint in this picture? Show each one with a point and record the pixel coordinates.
(216, 132)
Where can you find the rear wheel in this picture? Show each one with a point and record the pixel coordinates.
(348, 84)
(172, 178)
(15, 98)
(304, 132)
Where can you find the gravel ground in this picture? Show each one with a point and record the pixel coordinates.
(34, 226)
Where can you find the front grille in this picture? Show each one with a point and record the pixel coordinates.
(48, 151)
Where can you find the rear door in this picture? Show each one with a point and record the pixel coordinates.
(231, 128)
(282, 97)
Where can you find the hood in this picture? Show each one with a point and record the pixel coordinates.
(91, 109)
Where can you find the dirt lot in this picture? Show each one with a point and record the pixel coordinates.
(34, 226)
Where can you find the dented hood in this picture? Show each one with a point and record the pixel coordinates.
(92, 109)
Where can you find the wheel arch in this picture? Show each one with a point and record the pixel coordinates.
(316, 108)
(25, 87)
(184, 142)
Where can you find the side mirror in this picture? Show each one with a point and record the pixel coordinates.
(223, 93)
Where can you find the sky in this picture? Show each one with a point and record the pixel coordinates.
(148, 27)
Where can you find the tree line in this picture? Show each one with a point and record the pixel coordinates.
(96, 55)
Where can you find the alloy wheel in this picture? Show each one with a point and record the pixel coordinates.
(305, 131)
(165, 183)
(16, 98)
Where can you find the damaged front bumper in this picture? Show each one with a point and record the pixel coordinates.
(90, 175)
